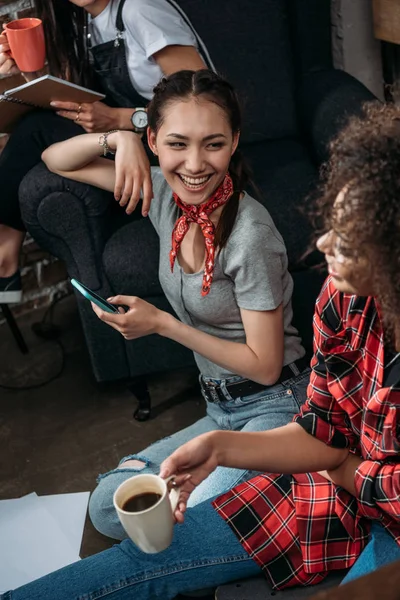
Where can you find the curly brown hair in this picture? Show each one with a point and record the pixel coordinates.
(365, 161)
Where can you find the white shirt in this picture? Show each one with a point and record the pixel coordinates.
(150, 26)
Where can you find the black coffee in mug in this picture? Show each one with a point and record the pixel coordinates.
(141, 502)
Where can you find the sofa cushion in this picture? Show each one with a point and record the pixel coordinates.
(307, 286)
(249, 43)
(130, 260)
(285, 176)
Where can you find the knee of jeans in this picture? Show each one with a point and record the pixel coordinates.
(134, 463)
(101, 507)
(141, 462)
(102, 512)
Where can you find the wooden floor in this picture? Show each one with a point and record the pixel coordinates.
(59, 437)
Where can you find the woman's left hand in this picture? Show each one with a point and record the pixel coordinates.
(140, 319)
(94, 117)
(132, 172)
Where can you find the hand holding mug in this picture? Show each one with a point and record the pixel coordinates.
(145, 505)
(25, 44)
(199, 458)
(7, 64)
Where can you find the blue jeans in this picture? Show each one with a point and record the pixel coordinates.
(380, 550)
(204, 553)
(273, 407)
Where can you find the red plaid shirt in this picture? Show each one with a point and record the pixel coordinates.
(297, 528)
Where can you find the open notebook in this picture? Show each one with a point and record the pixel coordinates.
(16, 102)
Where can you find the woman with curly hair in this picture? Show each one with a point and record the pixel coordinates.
(330, 491)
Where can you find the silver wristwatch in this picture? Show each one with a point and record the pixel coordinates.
(139, 120)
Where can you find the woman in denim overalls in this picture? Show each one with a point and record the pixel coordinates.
(105, 66)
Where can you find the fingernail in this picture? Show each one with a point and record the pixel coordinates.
(188, 476)
(146, 212)
(53, 103)
(110, 299)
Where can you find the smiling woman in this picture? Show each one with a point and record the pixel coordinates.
(223, 268)
(194, 164)
(191, 156)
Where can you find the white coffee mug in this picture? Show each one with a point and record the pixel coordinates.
(151, 529)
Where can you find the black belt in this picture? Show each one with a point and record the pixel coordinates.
(246, 387)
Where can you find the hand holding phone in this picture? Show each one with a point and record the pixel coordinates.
(141, 321)
(93, 297)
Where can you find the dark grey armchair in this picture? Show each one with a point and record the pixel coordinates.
(278, 55)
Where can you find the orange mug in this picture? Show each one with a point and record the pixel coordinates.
(27, 46)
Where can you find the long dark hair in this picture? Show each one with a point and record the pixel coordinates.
(206, 83)
(64, 29)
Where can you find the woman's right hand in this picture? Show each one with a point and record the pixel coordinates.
(132, 171)
(7, 64)
(199, 458)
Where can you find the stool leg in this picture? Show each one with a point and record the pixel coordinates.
(14, 328)
(139, 388)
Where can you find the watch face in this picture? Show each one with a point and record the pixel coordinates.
(139, 119)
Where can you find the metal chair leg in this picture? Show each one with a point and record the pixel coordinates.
(139, 388)
(14, 328)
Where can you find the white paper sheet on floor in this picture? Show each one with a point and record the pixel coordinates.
(39, 534)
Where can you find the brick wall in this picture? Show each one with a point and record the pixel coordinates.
(43, 277)
(15, 9)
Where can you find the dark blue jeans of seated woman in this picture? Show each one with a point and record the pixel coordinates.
(204, 553)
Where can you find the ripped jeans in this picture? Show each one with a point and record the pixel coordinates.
(273, 407)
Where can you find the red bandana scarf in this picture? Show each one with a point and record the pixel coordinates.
(199, 214)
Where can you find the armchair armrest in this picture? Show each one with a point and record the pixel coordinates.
(67, 218)
(71, 220)
(326, 99)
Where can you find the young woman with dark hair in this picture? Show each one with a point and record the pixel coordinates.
(121, 48)
(330, 495)
(225, 272)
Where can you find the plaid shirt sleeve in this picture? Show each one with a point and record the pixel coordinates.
(321, 415)
(378, 489)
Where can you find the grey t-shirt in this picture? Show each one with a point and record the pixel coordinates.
(250, 272)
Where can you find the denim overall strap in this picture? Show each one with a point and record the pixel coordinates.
(111, 67)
